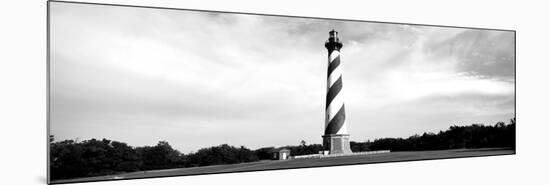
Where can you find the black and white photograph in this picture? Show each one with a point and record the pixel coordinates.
(143, 92)
(274, 92)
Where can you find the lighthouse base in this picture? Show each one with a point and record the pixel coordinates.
(337, 143)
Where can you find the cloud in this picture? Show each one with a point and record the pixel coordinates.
(488, 54)
(198, 79)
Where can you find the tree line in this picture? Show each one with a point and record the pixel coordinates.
(472, 136)
(71, 159)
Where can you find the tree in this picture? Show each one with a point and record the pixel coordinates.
(160, 156)
(222, 154)
(264, 153)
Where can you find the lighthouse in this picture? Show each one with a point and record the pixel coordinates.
(336, 137)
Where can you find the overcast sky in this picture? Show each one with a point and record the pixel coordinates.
(199, 79)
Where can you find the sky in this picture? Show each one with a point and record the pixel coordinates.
(200, 79)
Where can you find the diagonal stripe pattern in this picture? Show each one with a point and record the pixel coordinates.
(335, 121)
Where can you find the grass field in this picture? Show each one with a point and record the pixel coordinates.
(302, 163)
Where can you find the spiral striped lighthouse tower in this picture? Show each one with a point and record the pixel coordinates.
(336, 137)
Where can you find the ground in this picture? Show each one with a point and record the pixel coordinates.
(302, 163)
